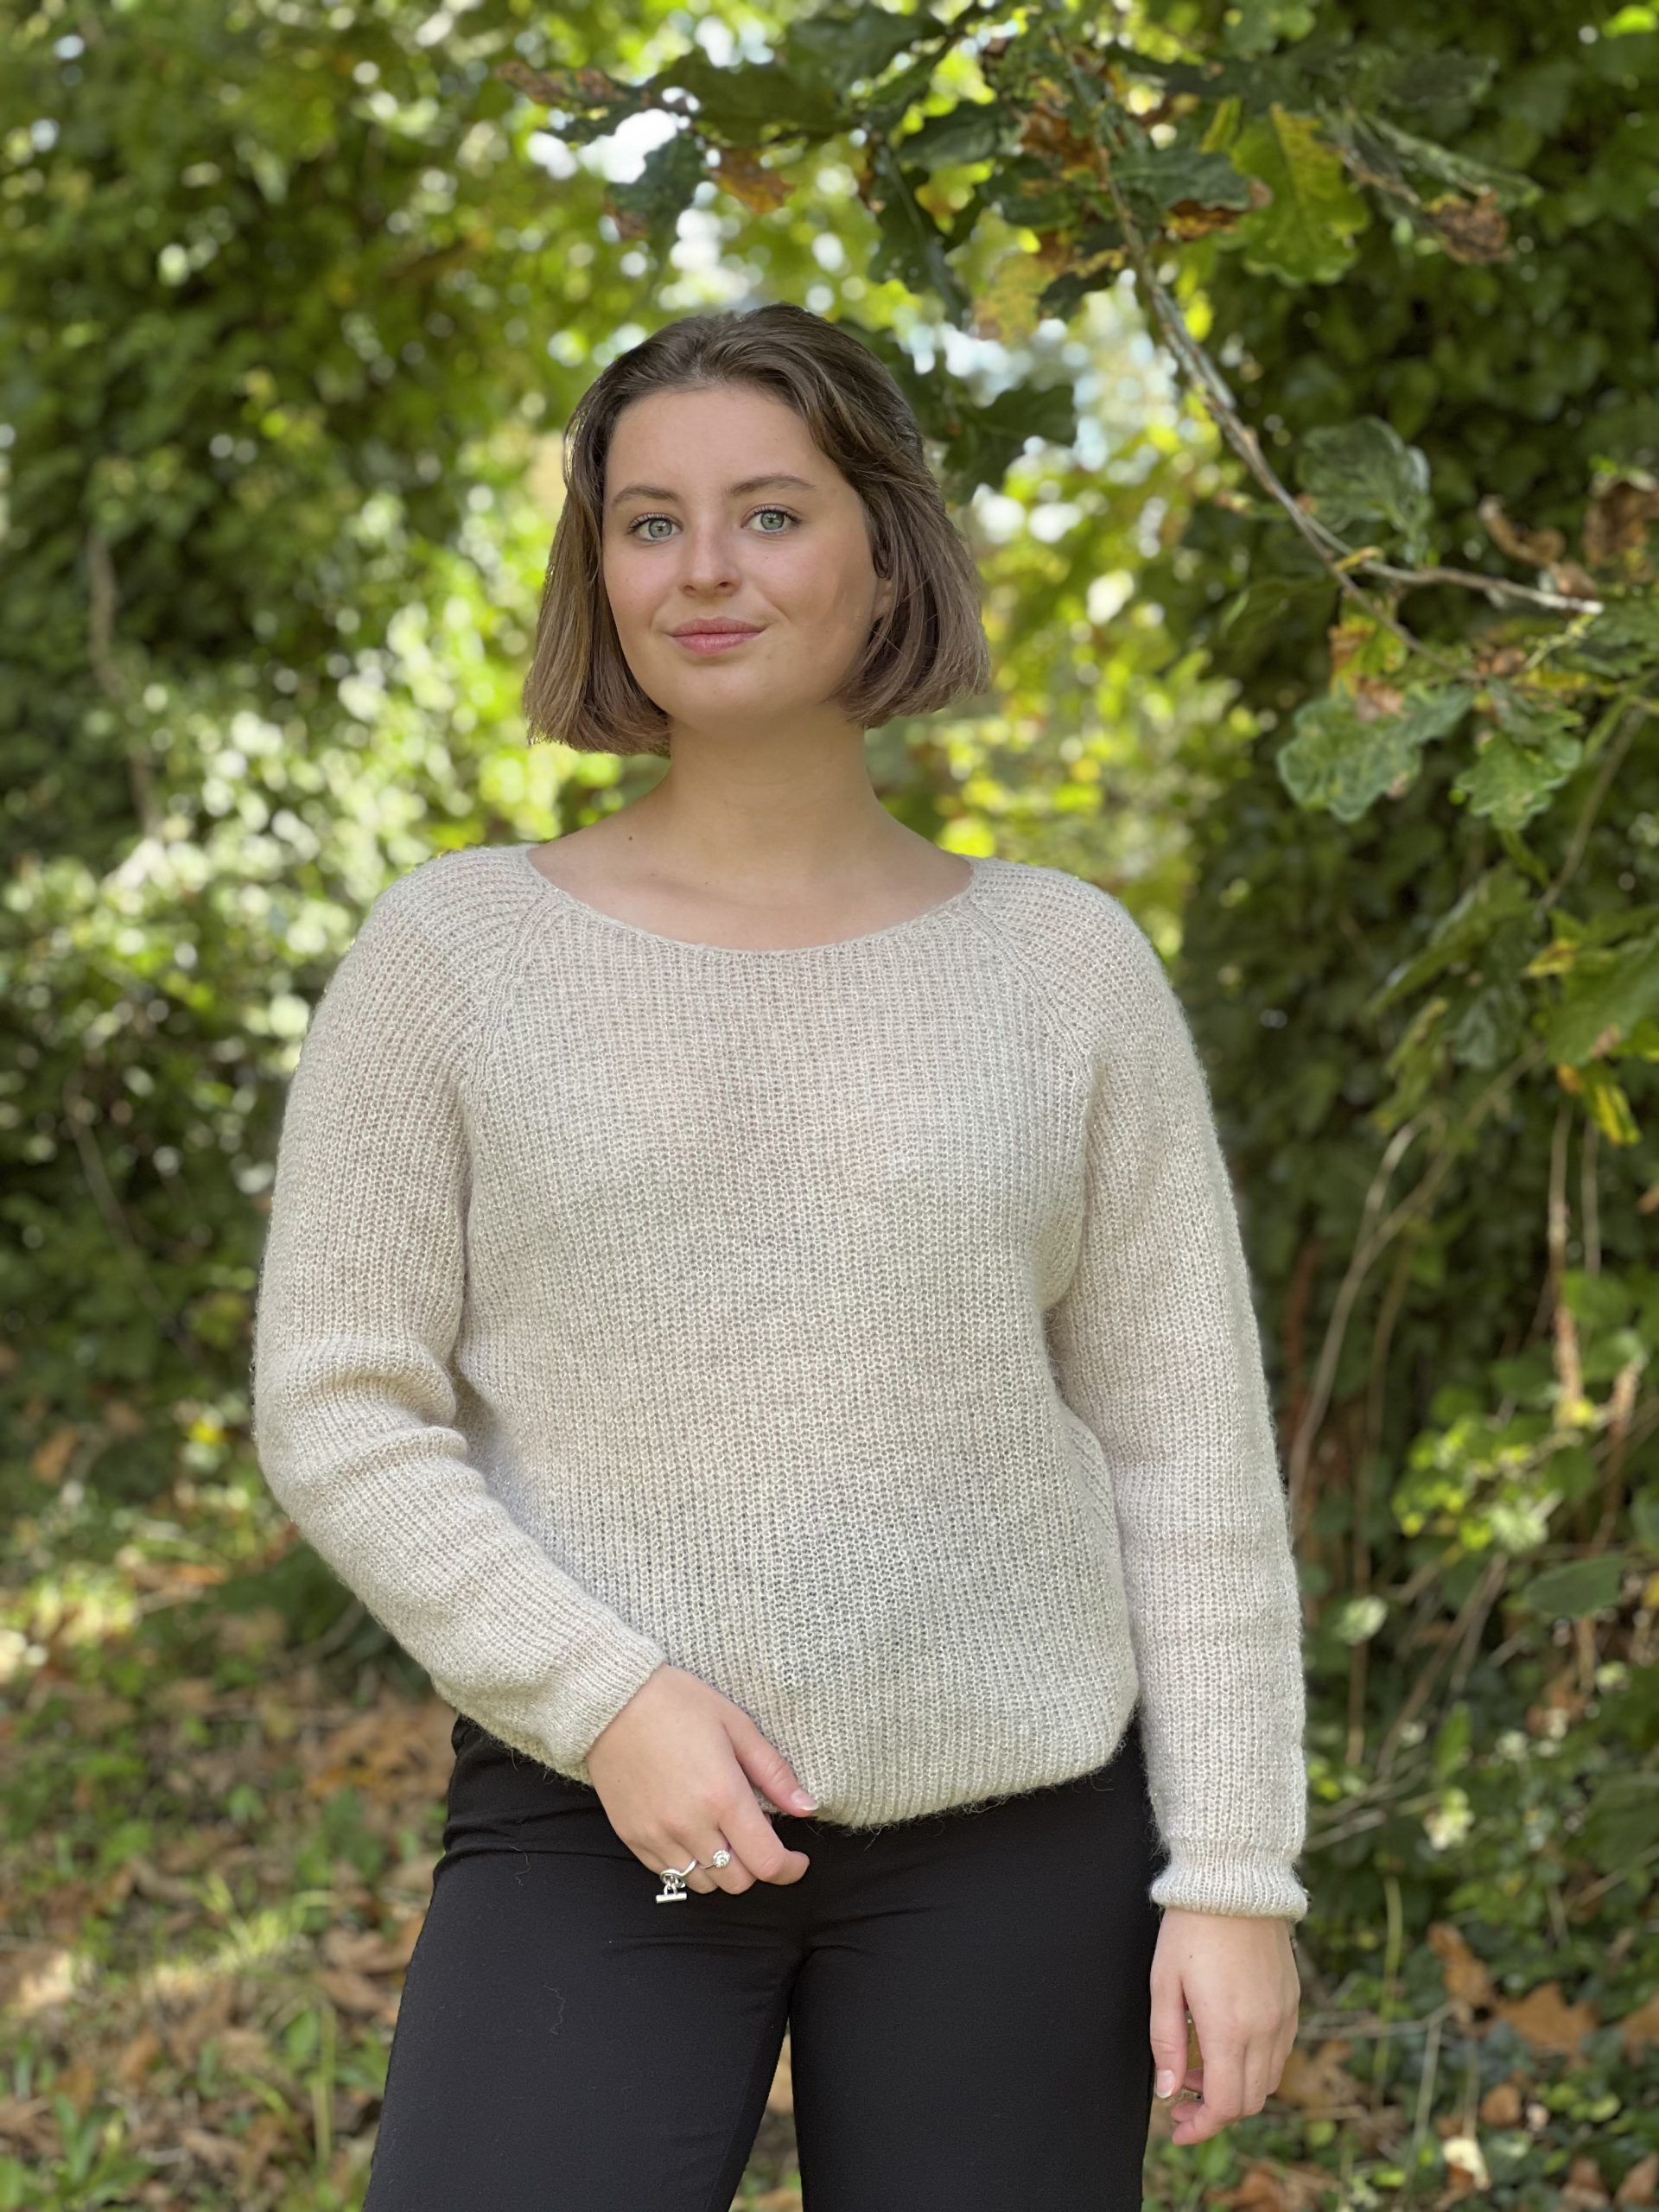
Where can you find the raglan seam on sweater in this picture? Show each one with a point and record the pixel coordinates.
(1003, 941)
(491, 997)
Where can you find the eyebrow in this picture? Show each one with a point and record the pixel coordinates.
(733, 491)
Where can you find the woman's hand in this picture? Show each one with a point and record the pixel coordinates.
(1237, 1976)
(673, 1771)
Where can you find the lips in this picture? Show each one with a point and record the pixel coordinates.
(703, 644)
(718, 629)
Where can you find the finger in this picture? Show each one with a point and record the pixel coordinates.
(757, 1844)
(1258, 2076)
(1167, 2033)
(765, 1765)
(734, 1876)
(1223, 2087)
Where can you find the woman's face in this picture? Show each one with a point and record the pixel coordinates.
(704, 539)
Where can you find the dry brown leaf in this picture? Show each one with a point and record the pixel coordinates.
(209, 2015)
(29, 2123)
(1260, 2188)
(1637, 2190)
(402, 1938)
(1316, 2081)
(1639, 2028)
(1547, 2021)
(355, 1992)
(361, 1950)
(35, 1976)
(1502, 2106)
(136, 2058)
(249, 2050)
(1584, 2189)
(185, 1693)
(165, 1888)
(260, 1629)
(222, 2153)
(1467, 1982)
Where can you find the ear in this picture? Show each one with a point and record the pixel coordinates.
(884, 599)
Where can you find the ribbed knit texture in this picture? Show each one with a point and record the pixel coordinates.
(862, 1327)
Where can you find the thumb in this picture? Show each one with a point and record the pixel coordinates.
(765, 1766)
(1168, 2036)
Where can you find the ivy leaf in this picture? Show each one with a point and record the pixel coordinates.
(1340, 761)
(1363, 477)
(1303, 233)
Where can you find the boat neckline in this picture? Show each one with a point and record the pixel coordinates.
(976, 864)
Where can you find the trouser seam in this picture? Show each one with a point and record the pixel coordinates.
(719, 2201)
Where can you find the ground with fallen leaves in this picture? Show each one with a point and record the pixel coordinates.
(221, 1842)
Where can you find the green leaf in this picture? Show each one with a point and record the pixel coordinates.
(1155, 178)
(1338, 761)
(838, 47)
(1450, 1751)
(1497, 896)
(1622, 1820)
(1604, 995)
(1302, 236)
(1529, 757)
(1260, 25)
(973, 130)
(1508, 187)
(1365, 478)
(653, 202)
(1574, 1589)
(737, 106)
(1622, 640)
(910, 245)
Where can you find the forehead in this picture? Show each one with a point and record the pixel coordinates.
(708, 439)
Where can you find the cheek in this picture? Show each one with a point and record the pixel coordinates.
(628, 593)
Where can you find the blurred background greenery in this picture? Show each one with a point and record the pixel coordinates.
(1291, 372)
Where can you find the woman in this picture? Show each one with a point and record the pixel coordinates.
(754, 1305)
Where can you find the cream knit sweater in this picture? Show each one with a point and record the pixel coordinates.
(863, 1327)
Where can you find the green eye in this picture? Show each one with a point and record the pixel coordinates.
(638, 524)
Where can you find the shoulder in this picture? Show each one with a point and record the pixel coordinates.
(1079, 943)
(468, 885)
(435, 939)
(464, 907)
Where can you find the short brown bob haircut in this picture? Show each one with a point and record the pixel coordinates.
(930, 649)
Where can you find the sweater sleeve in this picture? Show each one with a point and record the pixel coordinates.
(1156, 1347)
(360, 1302)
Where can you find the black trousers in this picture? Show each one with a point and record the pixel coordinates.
(967, 1996)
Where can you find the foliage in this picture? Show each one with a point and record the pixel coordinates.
(292, 298)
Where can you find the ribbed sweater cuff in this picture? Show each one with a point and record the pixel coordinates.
(1222, 1881)
(584, 1694)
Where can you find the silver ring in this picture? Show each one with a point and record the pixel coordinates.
(722, 1858)
(674, 1882)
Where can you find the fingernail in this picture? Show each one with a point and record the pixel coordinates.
(807, 1804)
(1165, 2081)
